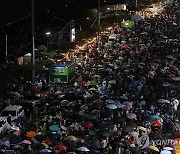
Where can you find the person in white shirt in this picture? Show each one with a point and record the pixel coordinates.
(175, 103)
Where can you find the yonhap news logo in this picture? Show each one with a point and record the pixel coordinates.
(143, 141)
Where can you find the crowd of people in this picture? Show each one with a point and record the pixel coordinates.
(121, 93)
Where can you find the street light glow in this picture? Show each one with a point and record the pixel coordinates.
(48, 33)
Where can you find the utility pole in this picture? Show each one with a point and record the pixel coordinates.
(99, 14)
(136, 4)
(99, 23)
(6, 48)
(33, 43)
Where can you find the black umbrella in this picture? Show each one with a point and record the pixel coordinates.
(104, 132)
(13, 139)
(155, 135)
(108, 124)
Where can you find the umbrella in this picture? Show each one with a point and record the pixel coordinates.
(96, 146)
(165, 152)
(89, 132)
(35, 141)
(64, 102)
(129, 129)
(111, 106)
(129, 24)
(176, 78)
(168, 148)
(156, 124)
(128, 107)
(154, 148)
(88, 124)
(83, 149)
(45, 150)
(112, 82)
(155, 135)
(31, 134)
(63, 128)
(120, 106)
(96, 76)
(98, 101)
(16, 94)
(95, 112)
(105, 132)
(13, 139)
(48, 142)
(27, 142)
(137, 17)
(91, 117)
(60, 148)
(131, 116)
(71, 138)
(109, 101)
(156, 118)
(164, 101)
(54, 128)
(92, 89)
(45, 145)
(7, 144)
(17, 147)
(17, 133)
(169, 56)
(131, 124)
(107, 124)
(166, 84)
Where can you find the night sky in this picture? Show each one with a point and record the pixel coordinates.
(11, 10)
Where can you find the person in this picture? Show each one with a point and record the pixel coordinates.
(9, 119)
(35, 112)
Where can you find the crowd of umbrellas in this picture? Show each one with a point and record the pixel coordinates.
(121, 93)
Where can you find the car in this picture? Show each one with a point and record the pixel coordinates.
(15, 111)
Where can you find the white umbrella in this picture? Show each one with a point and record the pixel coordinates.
(168, 148)
(64, 102)
(16, 94)
(63, 128)
(137, 17)
(165, 152)
(83, 149)
(164, 101)
(166, 84)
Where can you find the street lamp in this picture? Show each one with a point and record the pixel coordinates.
(136, 3)
(48, 34)
(33, 42)
(6, 48)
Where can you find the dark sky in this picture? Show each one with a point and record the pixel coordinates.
(11, 10)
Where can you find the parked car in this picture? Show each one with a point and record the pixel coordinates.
(15, 111)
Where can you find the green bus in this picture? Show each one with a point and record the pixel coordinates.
(62, 73)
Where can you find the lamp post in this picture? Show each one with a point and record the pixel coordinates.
(33, 42)
(136, 4)
(48, 34)
(6, 48)
(85, 18)
(99, 23)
